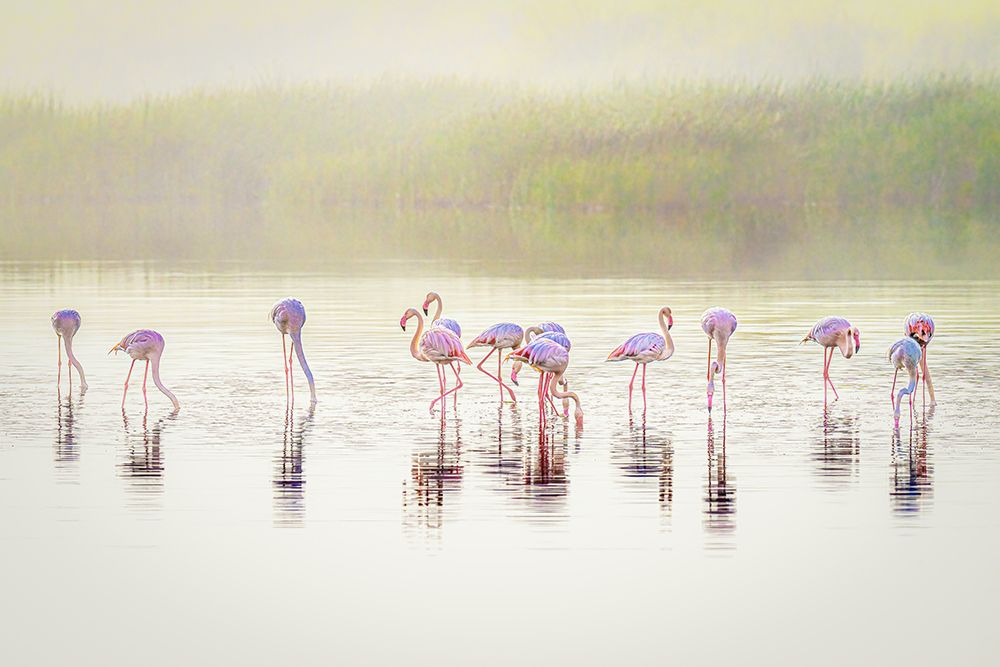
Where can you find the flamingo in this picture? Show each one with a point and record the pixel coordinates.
(498, 337)
(646, 347)
(830, 333)
(439, 345)
(437, 320)
(550, 359)
(147, 345)
(920, 327)
(718, 324)
(904, 354)
(550, 330)
(66, 323)
(289, 315)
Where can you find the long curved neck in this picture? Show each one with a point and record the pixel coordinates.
(530, 333)
(908, 389)
(68, 343)
(846, 344)
(155, 363)
(437, 309)
(297, 344)
(720, 356)
(668, 350)
(414, 344)
(556, 392)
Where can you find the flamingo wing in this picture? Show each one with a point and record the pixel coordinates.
(505, 334)
(443, 345)
(640, 347)
(449, 324)
(551, 327)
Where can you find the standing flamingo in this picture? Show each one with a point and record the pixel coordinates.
(550, 359)
(920, 327)
(437, 320)
(147, 345)
(498, 337)
(904, 354)
(440, 346)
(718, 324)
(550, 330)
(289, 315)
(646, 347)
(830, 333)
(66, 323)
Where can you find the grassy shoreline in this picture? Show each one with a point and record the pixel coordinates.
(764, 177)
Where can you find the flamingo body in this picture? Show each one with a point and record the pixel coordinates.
(144, 345)
(550, 359)
(499, 336)
(442, 346)
(834, 333)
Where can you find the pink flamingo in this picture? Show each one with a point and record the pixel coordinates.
(437, 320)
(830, 333)
(289, 316)
(549, 330)
(66, 323)
(920, 327)
(147, 345)
(719, 325)
(904, 354)
(498, 337)
(440, 346)
(646, 347)
(550, 360)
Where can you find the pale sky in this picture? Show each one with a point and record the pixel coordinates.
(116, 50)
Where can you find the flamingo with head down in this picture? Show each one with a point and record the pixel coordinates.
(550, 330)
(440, 346)
(550, 359)
(832, 333)
(289, 316)
(719, 325)
(646, 347)
(905, 354)
(497, 338)
(66, 323)
(146, 345)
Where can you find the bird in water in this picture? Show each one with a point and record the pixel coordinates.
(920, 327)
(497, 338)
(905, 354)
(145, 345)
(550, 359)
(549, 330)
(831, 333)
(719, 325)
(440, 346)
(437, 320)
(289, 315)
(66, 323)
(646, 347)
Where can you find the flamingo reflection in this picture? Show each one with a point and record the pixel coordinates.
(720, 490)
(289, 477)
(912, 469)
(838, 453)
(645, 455)
(435, 475)
(67, 456)
(143, 464)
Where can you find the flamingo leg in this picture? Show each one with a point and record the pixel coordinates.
(644, 387)
(708, 373)
(630, 383)
(145, 374)
(541, 401)
(836, 396)
(825, 352)
(125, 391)
(291, 371)
(498, 377)
(59, 352)
(548, 394)
(441, 385)
(892, 393)
(284, 361)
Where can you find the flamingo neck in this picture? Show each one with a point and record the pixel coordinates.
(557, 393)
(846, 344)
(68, 344)
(155, 363)
(908, 389)
(668, 350)
(297, 346)
(414, 344)
(530, 333)
(438, 308)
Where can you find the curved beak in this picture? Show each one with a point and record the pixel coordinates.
(857, 342)
(670, 323)
(402, 324)
(425, 309)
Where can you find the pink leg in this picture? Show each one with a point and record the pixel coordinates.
(499, 376)
(291, 372)
(59, 352)
(644, 387)
(541, 399)
(441, 385)
(145, 400)
(284, 351)
(459, 384)
(836, 396)
(125, 392)
(892, 392)
(548, 394)
(630, 383)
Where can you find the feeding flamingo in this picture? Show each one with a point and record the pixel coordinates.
(66, 323)
(147, 345)
(905, 354)
(550, 330)
(550, 359)
(646, 347)
(830, 333)
(718, 324)
(289, 315)
(498, 337)
(920, 327)
(440, 346)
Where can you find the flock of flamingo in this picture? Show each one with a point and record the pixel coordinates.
(545, 347)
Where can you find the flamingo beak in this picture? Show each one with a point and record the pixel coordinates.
(402, 324)
(425, 309)
(857, 342)
(670, 323)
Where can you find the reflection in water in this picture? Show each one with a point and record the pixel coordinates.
(644, 455)
(143, 464)
(289, 477)
(67, 457)
(434, 476)
(720, 491)
(838, 453)
(912, 470)
(543, 476)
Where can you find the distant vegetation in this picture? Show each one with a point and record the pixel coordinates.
(815, 179)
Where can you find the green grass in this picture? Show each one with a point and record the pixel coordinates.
(808, 179)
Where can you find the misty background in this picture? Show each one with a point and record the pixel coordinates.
(781, 138)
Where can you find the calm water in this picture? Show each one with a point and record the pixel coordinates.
(369, 531)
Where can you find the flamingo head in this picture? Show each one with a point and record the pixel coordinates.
(857, 339)
(410, 312)
(665, 311)
(431, 297)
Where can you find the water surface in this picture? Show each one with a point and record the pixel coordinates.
(372, 531)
